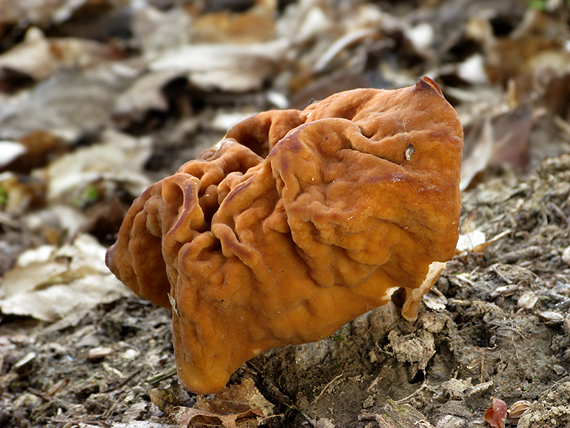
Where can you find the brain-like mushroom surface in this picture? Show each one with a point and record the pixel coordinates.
(296, 223)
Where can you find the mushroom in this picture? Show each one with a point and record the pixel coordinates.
(296, 223)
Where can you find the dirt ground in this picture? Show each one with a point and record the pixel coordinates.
(477, 338)
(496, 324)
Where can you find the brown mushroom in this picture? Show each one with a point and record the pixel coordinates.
(296, 223)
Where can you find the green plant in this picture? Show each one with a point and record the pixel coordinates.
(89, 195)
(3, 196)
(537, 4)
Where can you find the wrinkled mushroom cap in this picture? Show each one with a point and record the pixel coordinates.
(296, 223)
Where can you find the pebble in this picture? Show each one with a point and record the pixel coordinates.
(451, 421)
(566, 256)
(99, 352)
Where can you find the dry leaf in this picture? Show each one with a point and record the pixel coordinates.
(20, 194)
(145, 94)
(551, 316)
(45, 12)
(186, 417)
(58, 386)
(49, 282)
(228, 67)
(496, 414)
(160, 31)
(479, 147)
(141, 424)
(80, 53)
(511, 133)
(255, 25)
(236, 406)
(396, 415)
(69, 103)
(39, 57)
(470, 240)
(435, 300)
(32, 57)
(476, 242)
(41, 147)
(10, 151)
(117, 162)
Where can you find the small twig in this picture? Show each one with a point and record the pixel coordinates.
(111, 409)
(558, 211)
(81, 422)
(424, 385)
(153, 380)
(272, 389)
(503, 277)
(326, 387)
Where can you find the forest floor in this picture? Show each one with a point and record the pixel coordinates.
(93, 110)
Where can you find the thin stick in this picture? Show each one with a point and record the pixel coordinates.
(154, 379)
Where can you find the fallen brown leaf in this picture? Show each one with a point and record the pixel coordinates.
(497, 413)
(236, 406)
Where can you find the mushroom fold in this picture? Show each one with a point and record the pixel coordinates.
(296, 223)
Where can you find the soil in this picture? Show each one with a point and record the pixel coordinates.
(496, 325)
